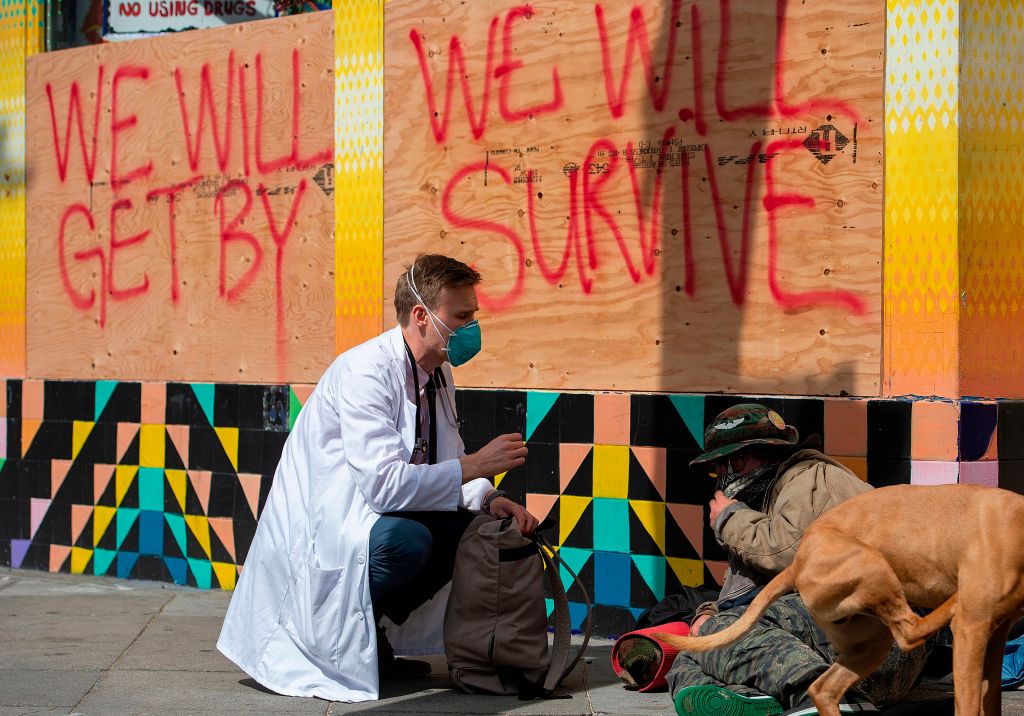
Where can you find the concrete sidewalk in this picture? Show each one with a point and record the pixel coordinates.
(90, 645)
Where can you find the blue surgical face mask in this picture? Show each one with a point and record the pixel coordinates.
(463, 343)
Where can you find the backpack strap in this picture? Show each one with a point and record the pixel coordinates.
(559, 666)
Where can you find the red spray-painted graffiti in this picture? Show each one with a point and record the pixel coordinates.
(211, 134)
(587, 211)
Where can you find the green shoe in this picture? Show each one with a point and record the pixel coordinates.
(707, 700)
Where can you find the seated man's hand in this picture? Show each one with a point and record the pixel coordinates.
(717, 505)
(503, 507)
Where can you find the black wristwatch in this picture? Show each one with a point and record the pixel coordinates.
(491, 497)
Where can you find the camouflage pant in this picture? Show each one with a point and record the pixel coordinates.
(781, 655)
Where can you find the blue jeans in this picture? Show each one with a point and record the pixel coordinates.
(412, 555)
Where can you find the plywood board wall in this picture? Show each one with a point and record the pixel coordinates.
(667, 195)
(180, 223)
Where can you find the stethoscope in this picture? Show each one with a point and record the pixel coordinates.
(420, 443)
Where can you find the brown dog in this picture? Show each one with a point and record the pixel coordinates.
(957, 549)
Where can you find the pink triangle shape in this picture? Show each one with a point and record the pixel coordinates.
(540, 505)
(79, 518)
(36, 514)
(224, 528)
(251, 488)
(126, 432)
(58, 555)
(570, 457)
(201, 484)
(58, 471)
(101, 475)
(652, 460)
(302, 392)
(690, 519)
(179, 438)
(717, 570)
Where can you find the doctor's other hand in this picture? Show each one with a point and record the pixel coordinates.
(498, 456)
(504, 507)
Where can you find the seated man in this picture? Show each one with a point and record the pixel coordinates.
(369, 501)
(768, 491)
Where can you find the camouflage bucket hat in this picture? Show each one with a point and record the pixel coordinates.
(742, 426)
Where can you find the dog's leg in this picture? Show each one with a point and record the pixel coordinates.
(970, 641)
(992, 695)
(861, 645)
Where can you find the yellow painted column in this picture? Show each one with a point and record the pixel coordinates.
(21, 35)
(921, 264)
(358, 170)
(991, 191)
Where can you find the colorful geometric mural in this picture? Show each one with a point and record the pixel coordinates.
(166, 481)
(920, 271)
(358, 170)
(991, 185)
(21, 35)
(151, 480)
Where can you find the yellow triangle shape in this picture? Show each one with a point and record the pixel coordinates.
(29, 428)
(80, 431)
(79, 559)
(570, 509)
(101, 518)
(226, 573)
(652, 517)
(201, 529)
(689, 572)
(229, 439)
(124, 476)
(176, 479)
(499, 478)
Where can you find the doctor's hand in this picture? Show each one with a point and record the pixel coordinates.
(503, 507)
(498, 456)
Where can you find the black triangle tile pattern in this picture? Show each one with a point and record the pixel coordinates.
(640, 486)
(639, 591)
(582, 534)
(640, 540)
(582, 483)
(27, 475)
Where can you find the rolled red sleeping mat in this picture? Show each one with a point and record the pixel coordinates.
(642, 661)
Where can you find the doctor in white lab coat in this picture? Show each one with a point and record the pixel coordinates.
(301, 620)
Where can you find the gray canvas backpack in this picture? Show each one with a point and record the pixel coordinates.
(495, 627)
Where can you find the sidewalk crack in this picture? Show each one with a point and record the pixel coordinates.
(105, 671)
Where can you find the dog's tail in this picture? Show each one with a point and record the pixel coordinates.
(783, 583)
(911, 638)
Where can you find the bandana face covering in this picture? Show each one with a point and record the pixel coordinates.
(750, 488)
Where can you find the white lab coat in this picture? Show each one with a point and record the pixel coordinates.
(300, 620)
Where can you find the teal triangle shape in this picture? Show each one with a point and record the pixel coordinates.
(177, 525)
(104, 389)
(202, 570)
(691, 410)
(101, 560)
(125, 519)
(204, 394)
(538, 405)
(652, 569)
(576, 558)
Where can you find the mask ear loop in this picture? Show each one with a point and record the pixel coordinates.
(411, 281)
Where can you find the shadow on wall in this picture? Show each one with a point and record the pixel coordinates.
(742, 305)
